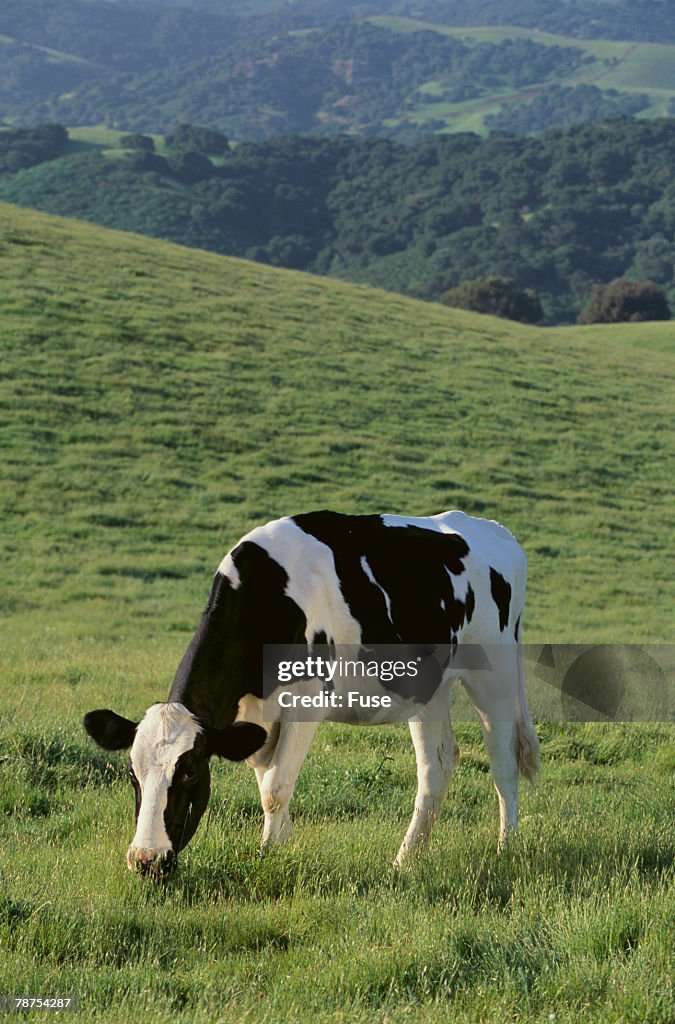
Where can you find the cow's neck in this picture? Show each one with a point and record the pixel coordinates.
(211, 678)
(224, 660)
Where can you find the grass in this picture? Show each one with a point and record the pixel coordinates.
(156, 402)
(107, 139)
(574, 921)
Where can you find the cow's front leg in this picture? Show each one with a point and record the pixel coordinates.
(276, 780)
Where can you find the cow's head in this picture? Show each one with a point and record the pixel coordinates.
(169, 768)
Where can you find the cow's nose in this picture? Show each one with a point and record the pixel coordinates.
(150, 862)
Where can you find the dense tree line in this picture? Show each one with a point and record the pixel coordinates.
(556, 214)
(22, 148)
(559, 106)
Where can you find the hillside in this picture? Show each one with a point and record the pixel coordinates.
(158, 401)
(557, 213)
(606, 75)
(384, 68)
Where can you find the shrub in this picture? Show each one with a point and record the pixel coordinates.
(622, 300)
(499, 296)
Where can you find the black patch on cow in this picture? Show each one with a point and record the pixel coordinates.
(516, 631)
(188, 795)
(470, 602)
(501, 594)
(319, 639)
(409, 563)
(224, 659)
(320, 644)
(137, 787)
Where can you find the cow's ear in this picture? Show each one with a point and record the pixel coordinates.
(235, 742)
(110, 731)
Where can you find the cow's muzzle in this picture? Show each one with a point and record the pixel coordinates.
(150, 862)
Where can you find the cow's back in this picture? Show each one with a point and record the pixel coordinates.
(389, 578)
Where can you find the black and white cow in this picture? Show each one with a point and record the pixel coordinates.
(327, 578)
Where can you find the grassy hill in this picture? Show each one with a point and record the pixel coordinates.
(156, 402)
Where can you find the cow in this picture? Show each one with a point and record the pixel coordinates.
(326, 578)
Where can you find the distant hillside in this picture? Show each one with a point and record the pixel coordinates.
(324, 68)
(355, 76)
(557, 214)
(156, 401)
(639, 20)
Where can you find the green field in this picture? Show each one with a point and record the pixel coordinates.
(155, 403)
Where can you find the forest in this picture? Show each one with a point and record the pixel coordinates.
(563, 106)
(558, 213)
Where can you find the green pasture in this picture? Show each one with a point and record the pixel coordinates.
(644, 66)
(108, 139)
(465, 116)
(155, 403)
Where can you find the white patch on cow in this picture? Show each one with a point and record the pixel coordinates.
(312, 580)
(442, 604)
(228, 569)
(165, 732)
(460, 585)
(366, 568)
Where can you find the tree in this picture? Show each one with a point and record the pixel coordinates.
(499, 296)
(622, 300)
(188, 138)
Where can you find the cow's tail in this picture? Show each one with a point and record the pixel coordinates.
(527, 741)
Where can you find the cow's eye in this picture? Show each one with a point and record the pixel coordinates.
(189, 775)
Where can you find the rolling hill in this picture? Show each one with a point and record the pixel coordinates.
(158, 401)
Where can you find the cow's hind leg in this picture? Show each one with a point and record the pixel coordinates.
(495, 697)
(436, 751)
(276, 780)
(500, 741)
